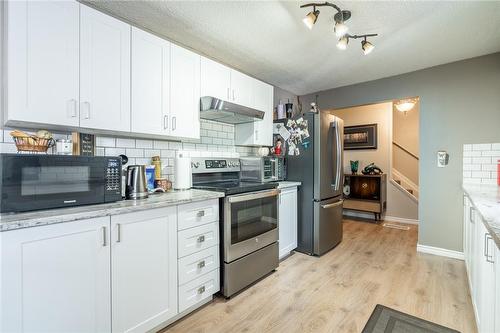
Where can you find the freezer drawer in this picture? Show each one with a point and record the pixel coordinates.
(327, 225)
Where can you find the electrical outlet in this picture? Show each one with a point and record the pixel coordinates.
(442, 159)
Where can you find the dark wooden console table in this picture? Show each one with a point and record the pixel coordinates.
(368, 193)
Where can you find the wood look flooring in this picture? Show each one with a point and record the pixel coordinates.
(338, 291)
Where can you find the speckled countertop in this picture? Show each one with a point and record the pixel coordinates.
(486, 199)
(13, 221)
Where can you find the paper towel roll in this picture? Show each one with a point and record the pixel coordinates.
(182, 172)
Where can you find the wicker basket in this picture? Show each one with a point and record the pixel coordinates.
(33, 144)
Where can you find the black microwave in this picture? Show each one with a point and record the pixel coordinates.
(33, 182)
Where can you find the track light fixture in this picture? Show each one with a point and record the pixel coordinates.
(311, 18)
(340, 28)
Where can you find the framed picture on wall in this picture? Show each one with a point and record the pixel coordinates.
(360, 137)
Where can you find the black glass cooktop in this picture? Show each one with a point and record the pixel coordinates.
(235, 187)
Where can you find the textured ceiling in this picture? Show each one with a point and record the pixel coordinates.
(267, 39)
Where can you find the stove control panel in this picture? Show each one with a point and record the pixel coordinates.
(211, 165)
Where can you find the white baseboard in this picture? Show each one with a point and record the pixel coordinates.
(440, 252)
(400, 220)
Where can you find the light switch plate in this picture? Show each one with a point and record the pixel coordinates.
(442, 159)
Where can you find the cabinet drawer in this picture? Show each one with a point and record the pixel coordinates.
(199, 289)
(197, 264)
(198, 213)
(196, 239)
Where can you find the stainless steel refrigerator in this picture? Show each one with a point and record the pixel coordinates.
(319, 166)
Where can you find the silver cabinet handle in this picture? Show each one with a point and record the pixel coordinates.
(201, 239)
(71, 107)
(228, 94)
(471, 216)
(201, 264)
(201, 213)
(165, 122)
(86, 108)
(174, 123)
(118, 232)
(256, 135)
(489, 257)
(201, 290)
(233, 96)
(333, 204)
(104, 242)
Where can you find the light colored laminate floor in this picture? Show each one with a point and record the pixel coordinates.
(338, 291)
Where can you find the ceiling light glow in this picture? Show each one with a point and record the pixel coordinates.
(340, 29)
(367, 47)
(342, 43)
(311, 18)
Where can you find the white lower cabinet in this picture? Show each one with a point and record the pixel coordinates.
(481, 257)
(198, 290)
(198, 251)
(143, 269)
(109, 274)
(287, 221)
(56, 278)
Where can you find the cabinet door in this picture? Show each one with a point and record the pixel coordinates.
(263, 100)
(104, 71)
(215, 79)
(241, 88)
(287, 221)
(56, 278)
(184, 93)
(466, 238)
(43, 60)
(144, 269)
(150, 84)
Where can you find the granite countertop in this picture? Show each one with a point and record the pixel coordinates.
(285, 184)
(13, 221)
(486, 199)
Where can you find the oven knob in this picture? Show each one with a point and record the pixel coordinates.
(195, 164)
(231, 164)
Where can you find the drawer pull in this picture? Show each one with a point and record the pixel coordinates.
(201, 264)
(201, 290)
(201, 213)
(201, 239)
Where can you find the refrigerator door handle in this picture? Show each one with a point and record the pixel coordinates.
(333, 204)
(338, 154)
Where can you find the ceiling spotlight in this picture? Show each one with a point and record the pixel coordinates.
(340, 29)
(342, 43)
(367, 46)
(311, 18)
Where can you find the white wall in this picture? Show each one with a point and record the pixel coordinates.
(459, 104)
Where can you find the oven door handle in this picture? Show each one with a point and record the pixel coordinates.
(253, 196)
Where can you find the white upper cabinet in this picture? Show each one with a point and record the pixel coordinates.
(241, 89)
(184, 93)
(215, 80)
(144, 269)
(104, 71)
(150, 83)
(260, 132)
(43, 58)
(56, 278)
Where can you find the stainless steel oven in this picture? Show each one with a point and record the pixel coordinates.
(250, 223)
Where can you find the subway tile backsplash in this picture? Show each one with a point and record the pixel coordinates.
(480, 163)
(216, 140)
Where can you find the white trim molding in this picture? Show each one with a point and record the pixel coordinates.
(400, 220)
(440, 252)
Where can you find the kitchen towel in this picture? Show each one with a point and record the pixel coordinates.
(182, 172)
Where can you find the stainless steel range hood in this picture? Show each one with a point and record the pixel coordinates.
(219, 110)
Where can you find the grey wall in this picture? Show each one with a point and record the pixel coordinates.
(459, 103)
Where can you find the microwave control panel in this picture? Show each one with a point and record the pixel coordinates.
(113, 176)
